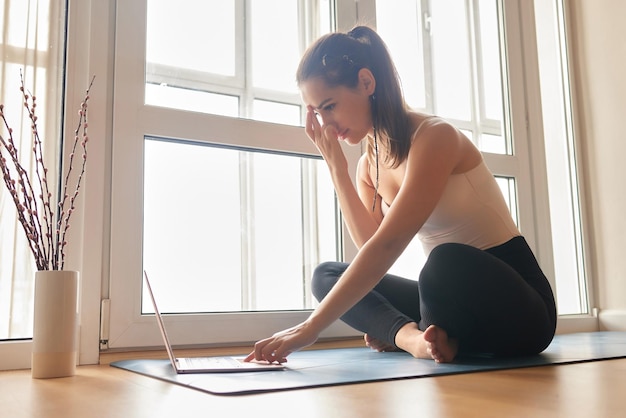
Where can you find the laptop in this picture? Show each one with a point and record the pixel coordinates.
(205, 364)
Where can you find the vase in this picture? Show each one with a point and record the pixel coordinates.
(55, 326)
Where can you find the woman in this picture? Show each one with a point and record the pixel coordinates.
(481, 290)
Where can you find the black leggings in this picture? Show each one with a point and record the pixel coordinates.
(495, 301)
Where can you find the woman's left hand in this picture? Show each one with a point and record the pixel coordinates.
(280, 345)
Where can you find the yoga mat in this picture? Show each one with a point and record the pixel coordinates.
(317, 368)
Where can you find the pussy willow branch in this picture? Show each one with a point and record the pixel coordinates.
(46, 240)
(46, 235)
(24, 197)
(63, 223)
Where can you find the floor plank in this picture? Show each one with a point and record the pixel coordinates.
(592, 389)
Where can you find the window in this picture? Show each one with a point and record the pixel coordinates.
(254, 203)
(31, 44)
(216, 104)
(449, 52)
(247, 223)
(561, 156)
(448, 55)
(240, 57)
(230, 199)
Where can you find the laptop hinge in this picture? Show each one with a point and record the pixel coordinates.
(105, 309)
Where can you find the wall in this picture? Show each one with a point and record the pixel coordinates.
(598, 35)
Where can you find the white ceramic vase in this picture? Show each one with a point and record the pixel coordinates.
(55, 327)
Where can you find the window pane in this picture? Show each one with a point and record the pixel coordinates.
(488, 51)
(326, 16)
(400, 24)
(286, 114)
(244, 238)
(192, 100)
(507, 186)
(490, 59)
(246, 51)
(275, 213)
(561, 163)
(192, 34)
(410, 263)
(275, 44)
(494, 144)
(191, 225)
(326, 224)
(451, 59)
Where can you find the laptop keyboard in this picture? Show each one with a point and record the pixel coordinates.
(200, 362)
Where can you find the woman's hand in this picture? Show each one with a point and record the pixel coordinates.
(326, 140)
(280, 345)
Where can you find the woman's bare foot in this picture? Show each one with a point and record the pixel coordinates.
(430, 344)
(441, 348)
(378, 345)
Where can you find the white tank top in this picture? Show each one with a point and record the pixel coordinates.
(471, 211)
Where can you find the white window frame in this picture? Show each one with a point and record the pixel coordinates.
(133, 121)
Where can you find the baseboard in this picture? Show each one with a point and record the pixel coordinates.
(15, 355)
(612, 320)
(568, 324)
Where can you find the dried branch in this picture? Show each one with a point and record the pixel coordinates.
(45, 229)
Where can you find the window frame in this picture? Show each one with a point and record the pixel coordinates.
(16, 353)
(89, 38)
(128, 328)
(133, 122)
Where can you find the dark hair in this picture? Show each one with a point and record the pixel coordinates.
(336, 58)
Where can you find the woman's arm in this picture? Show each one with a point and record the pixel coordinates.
(359, 219)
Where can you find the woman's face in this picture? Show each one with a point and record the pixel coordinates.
(347, 110)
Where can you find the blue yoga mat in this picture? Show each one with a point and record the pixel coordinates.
(316, 368)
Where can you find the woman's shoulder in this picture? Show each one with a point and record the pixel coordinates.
(436, 138)
(424, 123)
(428, 128)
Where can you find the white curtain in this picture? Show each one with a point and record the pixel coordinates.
(31, 41)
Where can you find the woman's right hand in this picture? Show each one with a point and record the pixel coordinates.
(359, 219)
(326, 140)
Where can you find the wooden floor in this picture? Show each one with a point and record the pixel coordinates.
(593, 389)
